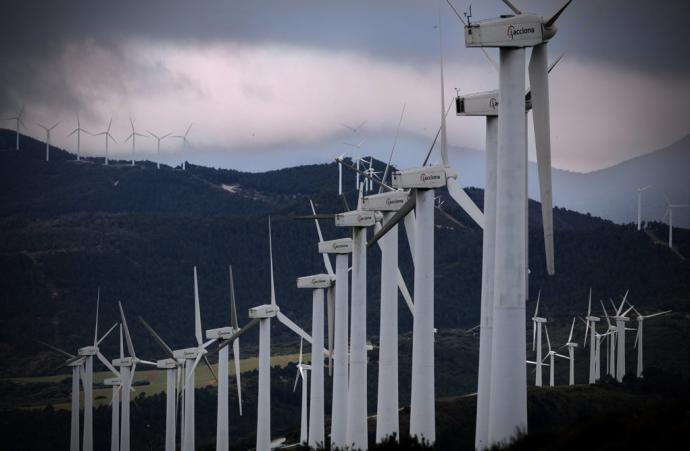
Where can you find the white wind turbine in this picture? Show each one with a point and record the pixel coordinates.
(106, 134)
(537, 323)
(317, 283)
(116, 386)
(639, 338)
(48, 130)
(158, 146)
(508, 400)
(229, 335)
(75, 363)
(669, 213)
(128, 366)
(185, 145)
(133, 137)
(551, 356)
(357, 146)
(639, 206)
(19, 121)
(611, 349)
(591, 328)
(303, 375)
(78, 131)
(621, 318)
(571, 353)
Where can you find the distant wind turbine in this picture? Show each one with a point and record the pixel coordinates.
(669, 213)
(185, 145)
(158, 146)
(108, 136)
(78, 131)
(18, 119)
(639, 206)
(48, 130)
(133, 137)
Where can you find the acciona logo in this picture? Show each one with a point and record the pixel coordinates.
(364, 217)
(429, 177)
(340, 246)
(493, 103)
(512, 31)
(390, 202)
(316, 281)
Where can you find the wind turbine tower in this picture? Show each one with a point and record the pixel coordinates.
(639, 206)
(303, 374)
(537, 323)
(108, 137)
(78, 131)
(19, 121)
(48, 130)
(571, 353)
(158, 147)
(512, 34)
(591, 328)
(185, 145)
(133, 137)
(621, 318)
(669, 213)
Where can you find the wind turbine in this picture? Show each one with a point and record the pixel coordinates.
(108, 136)
(669, 212)
(551, 356)
(133, 137)
(78, 131)
(611, 350)
(511, 34)
(19, 121)
(591, 325)
(222, 335)
(639, 338)
(185, 144)
(621, 318)
(358, 146)
(75, 363)
(537, 322)
(639, 206)
(303, 374)
(571, 353)
(158, 146)
(48, 130)
(317, 283)
(128, 366)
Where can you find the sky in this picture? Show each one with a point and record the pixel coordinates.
(269, 84)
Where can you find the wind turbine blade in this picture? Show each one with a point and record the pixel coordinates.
(210, 368)
(466, 203)
(658, 314)
(236, 358)
(534, 335)
(512, 7)
(98, 301)
(546, 329)
(605, 313)
(330, 312)
(395, 142)
(586, 332)
(572, 327)
(157, 338)
(130, 346)
(196, 362)
(589, 303)
(556, 15)
(233, 305)
(197, 312)
(326, 259)
(539, 82)
(620, 309)
(56, 349)
(637, 337)
(107, 364)
(131, 135)
(270, 251)
(73, 132)
(106, 334)
(188, 129)
(536, 309)
(237, 334)
(293, 327)
(395, 219)
(122, 350)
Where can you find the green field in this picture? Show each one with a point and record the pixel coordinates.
(153, 381)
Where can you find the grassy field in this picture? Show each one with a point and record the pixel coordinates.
(152, 381)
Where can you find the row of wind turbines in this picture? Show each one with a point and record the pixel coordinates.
(107, 137)
(667, 213)
(615, 334)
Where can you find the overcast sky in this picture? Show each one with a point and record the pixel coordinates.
(269, 83)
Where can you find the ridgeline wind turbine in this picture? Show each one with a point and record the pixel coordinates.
(303, 375)
(48, 130)
(222, 335)
(669, 213)
(108, 137)
(551, 356)
(128, 366)
(133, 137)
(158, 146)
(78, 131)
(358, 146)
(537, 322)
(639, 338)
(18, 121)
(571, 353)
(639, 206)
(512, 34)
(591, 325)
(318, 284)
(185, 145)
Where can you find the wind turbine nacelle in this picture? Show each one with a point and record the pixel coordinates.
(315, 281)
(187, 353)
(571, 345)
(356, 218)
(524, 30)
(87, 350)
(112, 381)
(479, 104)
(389, 201)
(166, 364)
(125, 361)
(427, 177)
(539, 320)
(592, 318)
(621, 318)
(341, 246)
(263, 311)
(222, 333)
